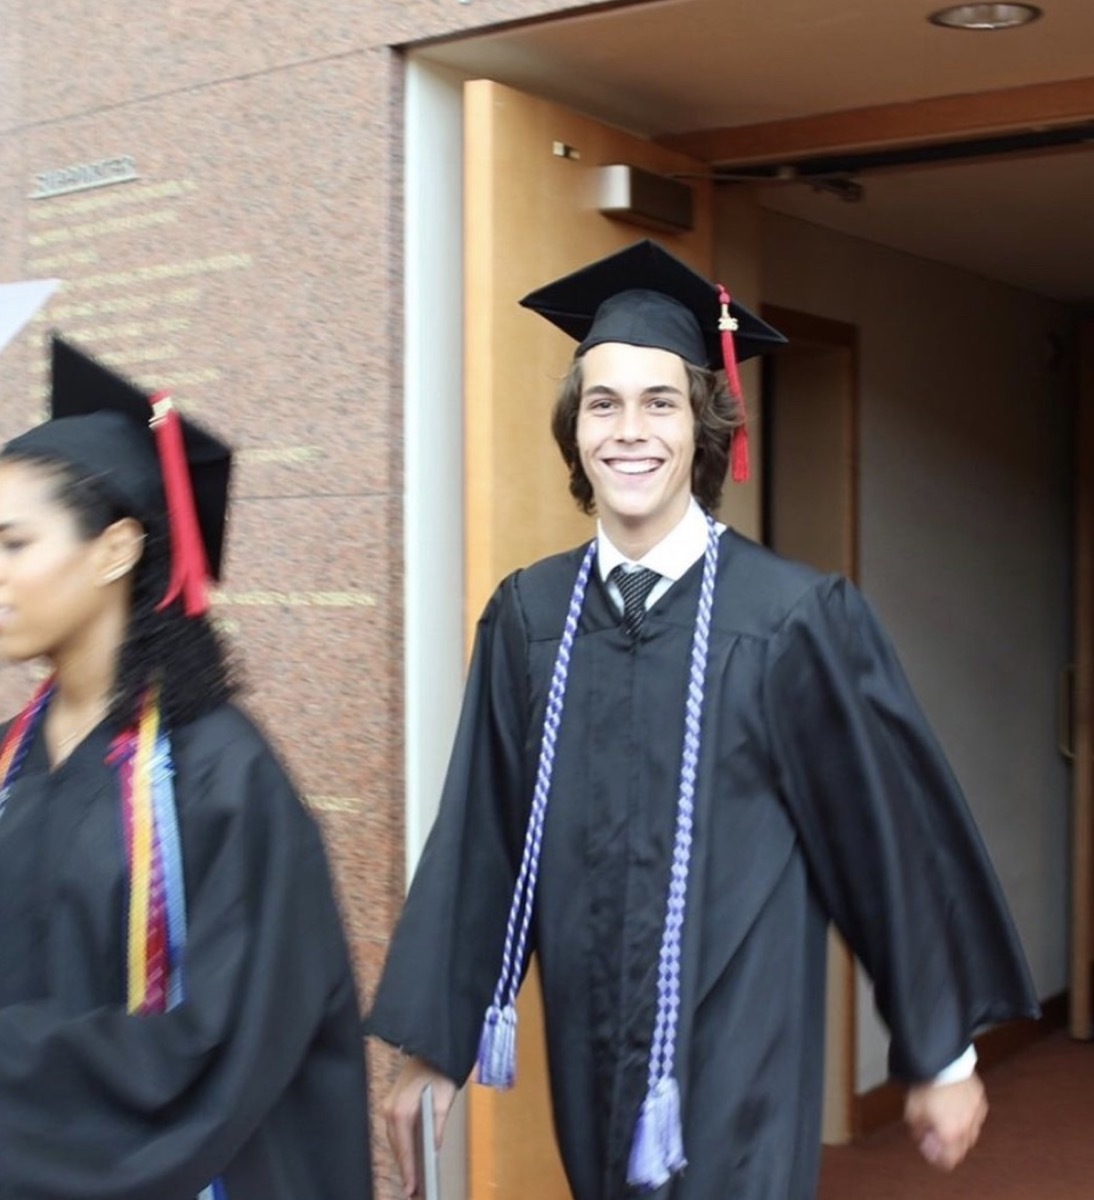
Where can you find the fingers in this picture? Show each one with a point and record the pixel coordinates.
(932, 1149)
(942, 1154)
(402, 1116)
(444, 1094)
(945, 1154)
(401, 1130)
(945, 1120)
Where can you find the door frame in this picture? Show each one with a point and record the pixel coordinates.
(1081, 751)
(807, 331)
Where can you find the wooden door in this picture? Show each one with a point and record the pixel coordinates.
(529, 179)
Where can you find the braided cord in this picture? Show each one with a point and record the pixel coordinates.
(521, 908)
(657, 1151)
(19, 738)
(169, 848)
(663, 1048)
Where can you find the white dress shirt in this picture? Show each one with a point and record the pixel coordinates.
(672, 557)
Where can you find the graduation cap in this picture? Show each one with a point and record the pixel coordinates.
(645, 296)
(146, 455)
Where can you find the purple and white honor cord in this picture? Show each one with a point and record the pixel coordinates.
(497, 1045)
(657, 1152)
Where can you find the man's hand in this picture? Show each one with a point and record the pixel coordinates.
(945, 1119)
(402, 1112)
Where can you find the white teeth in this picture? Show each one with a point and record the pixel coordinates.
(641, 466)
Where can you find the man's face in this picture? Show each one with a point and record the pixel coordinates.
(636, 438)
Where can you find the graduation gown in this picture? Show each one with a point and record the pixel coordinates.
(257, 1077)
(821, 794)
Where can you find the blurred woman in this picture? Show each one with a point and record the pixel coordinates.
(178, 1016)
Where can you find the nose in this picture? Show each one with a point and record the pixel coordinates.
(632, 423)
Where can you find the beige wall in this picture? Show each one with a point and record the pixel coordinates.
(963, 538)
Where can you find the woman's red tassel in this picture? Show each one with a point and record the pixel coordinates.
(738, 444)
(189, 565)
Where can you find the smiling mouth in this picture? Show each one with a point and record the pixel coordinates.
(633, 466)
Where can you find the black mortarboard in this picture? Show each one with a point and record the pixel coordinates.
(645, 296)
(141, 451)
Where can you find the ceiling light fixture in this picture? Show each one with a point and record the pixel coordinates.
(985, 16)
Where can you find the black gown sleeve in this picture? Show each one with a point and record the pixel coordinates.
(104, 1105)
(893, 850)
(445, 955)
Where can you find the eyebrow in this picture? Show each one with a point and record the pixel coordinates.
(654, 389)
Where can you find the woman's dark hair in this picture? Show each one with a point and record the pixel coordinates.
(716, 417)
(185, 655)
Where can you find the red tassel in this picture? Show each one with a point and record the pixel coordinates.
(738, 454)
(738, 444)
(189, 565)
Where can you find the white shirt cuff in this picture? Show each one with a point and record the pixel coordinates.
(959, 1070)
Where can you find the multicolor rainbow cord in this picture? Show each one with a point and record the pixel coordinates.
(19, 737)
(157, 902)
(156, 935)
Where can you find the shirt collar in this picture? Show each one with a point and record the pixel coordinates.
(673, 555)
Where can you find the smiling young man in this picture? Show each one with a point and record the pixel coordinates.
(636, 440)
(680, 757)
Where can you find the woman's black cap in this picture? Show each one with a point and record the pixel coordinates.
(101, 424)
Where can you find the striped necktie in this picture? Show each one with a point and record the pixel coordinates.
(635, 587)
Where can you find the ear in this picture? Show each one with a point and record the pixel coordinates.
(118, 550)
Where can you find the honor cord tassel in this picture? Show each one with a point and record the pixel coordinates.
(498, 1048)
(658, 1149)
